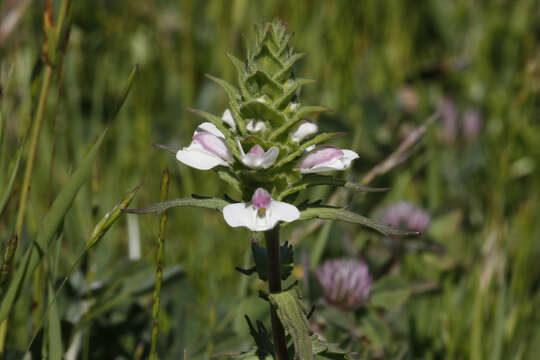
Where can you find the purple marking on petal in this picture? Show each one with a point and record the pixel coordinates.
(213, 145)
(320, 155)
(257, 150)
(261, 199)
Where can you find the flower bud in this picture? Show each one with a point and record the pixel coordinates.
(303, 129)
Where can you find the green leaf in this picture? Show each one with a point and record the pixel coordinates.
(286, 260)
(260, 110)
(13, 170)
(285, 72)
(202, 202)
(293, 317)
(290, 91)
(232, 92)
(241, 70)
(260, 83)
(390, 292)
(48, 228)
(262, 339)
(109, 219)
(340, 214)
(54, 332)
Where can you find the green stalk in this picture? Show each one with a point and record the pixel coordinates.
(274, 286)
(159, 270)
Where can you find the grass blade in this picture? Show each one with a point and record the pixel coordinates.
(48, 227)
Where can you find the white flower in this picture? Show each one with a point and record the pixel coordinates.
(303, 129)
(207, 149)
(228, 119)
(261, 214)
(326, 158)
(256, 157)
(256, 126)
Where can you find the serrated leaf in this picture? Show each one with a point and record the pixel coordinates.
(294, 320)
(285, 72)
(202, 202)
(262, 339)
(260, 83)
(241, 70)
(286, 260)
(390, 292)
(340, 214)
(261, 110)
(266, 60)
(283, 100)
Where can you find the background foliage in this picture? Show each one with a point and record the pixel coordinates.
(468, 289)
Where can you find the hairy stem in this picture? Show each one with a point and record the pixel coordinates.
(274, 285)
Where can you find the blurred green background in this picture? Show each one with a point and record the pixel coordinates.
(384, 67)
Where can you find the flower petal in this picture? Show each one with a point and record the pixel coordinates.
(269, 157)
(209, 128)
(213, 145)
(240, 214)
(246, 215)
(196, 157)
(326, 158)
(282, 211)
(228, 119)
(256, 126)
(304, 129)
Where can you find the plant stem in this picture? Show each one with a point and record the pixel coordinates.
(274, 285)
(159, 270)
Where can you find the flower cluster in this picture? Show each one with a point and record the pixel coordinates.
(262, 144)
(346, 284)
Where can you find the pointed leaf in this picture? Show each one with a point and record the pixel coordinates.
(54, 331)
(241, 70)
(261, 110)
(260, 83)
(284, 73)
(290, 91)
(206, 202)
(232, 92)
(339, 214)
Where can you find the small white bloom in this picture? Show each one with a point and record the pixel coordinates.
(257, 157)
(326, 158)
(303, 129)
(228, 119)
(207, 149)
(261, 214)
(256, 126)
